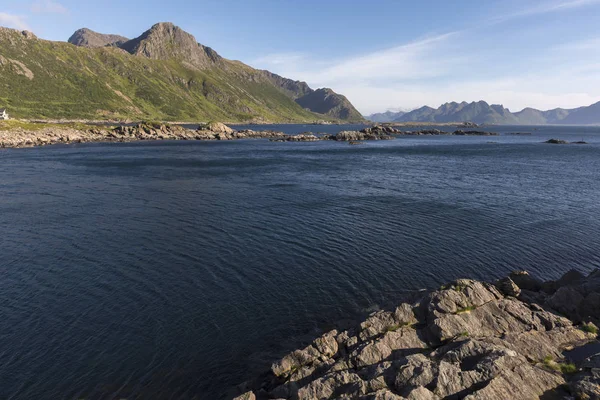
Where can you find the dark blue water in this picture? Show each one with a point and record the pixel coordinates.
(177, 269)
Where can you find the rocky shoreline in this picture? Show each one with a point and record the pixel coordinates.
(377, 132)
(19, 137)
(516, 338)
(56, 134)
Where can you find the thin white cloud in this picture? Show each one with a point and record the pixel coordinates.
(48, 7)
(550, 7)
(414, 60)
(559, 6)
(409, 61)
(13, 21)
(281, 58)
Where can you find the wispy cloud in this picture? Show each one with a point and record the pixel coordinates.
(13, 21)
(281, 58)
(550, 7)
(413, 60)
(48, 7)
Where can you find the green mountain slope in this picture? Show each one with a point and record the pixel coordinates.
(167, 76)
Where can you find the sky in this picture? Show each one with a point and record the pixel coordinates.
(381, 54)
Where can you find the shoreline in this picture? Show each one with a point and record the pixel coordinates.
(20, 134)
(517, 337)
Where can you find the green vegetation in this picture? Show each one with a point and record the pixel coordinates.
(395, 327)
(464, 334)
(589, 328)
(568, 368)
(36, 126)
(464, 310)
(459, 288)
(48, 80)
(564, 368)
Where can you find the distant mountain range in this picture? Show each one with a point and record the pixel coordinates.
(481, 112)
(387, 116)
(164, 74)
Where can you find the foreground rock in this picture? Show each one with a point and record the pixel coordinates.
(467, 340)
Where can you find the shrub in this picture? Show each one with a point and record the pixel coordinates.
(589, 328)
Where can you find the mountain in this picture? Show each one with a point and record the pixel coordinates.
(531, 116)
(387, 116)
(88, 38)
(481, 112)
(326, 101)
(164, 74)
(166, 41)
(323, 101)
(584, 115)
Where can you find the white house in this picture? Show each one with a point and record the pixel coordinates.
(3, 114)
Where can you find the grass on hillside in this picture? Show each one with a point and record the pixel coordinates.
(54, 80)
(13, 124)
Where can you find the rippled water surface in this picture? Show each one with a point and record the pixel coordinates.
(177, 269)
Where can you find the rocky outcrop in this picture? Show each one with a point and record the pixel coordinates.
(467, 340)
(303, 137)
(381, 130)
(359, 135)
(326, 101)
(88, 38)
(217, 127)
(165, 41)
(436, 132)
(56, 134)
(473, 133)
(560, 141)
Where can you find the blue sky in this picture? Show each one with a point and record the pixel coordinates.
(382, 54)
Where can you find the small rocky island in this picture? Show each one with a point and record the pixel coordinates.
(517, 338)
(560, 141)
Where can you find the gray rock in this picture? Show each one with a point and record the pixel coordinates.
(246, 396)
(586, 386)
(421, 393)
(391, 345)
(334, 384)
(419, 371)
(525, 281)
(466, 340)
(384, 321)
(319, 351)
(508, 287)
(216, 127)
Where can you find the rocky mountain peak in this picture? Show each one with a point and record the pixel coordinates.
(326, 101)
(85, 37)
(166, 41)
